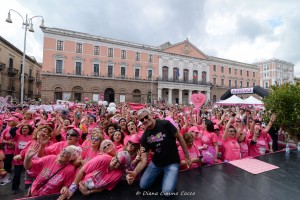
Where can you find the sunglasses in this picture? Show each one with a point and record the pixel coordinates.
(72, 135)
(117, 161)
(146, 117)
(95, 139)
(106, 146)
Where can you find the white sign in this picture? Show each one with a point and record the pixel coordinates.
(242, 91)
(122, 98)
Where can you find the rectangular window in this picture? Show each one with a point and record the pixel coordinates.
(247, 73)
(96, 69)
(222, 82)
(78, 48)
(253, 84)
(60, 45)
(137, 56)
(229, 83)
(241, 72)
(123, 54)
(241, 83)
(248, 84)
(78, 68)
(59, 67)
(235, 71)
(222, 69)
(253, 74)
(215, 68)
(110, 52)
(96, 50)
(150, 58)
(123, 72)
(235, 83)
(229, 70)
(110, 71)
(215, 81)
(137, 73)
(150, 74)
(30, 73)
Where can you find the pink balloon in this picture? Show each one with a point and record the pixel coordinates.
(198, 99)
(86, 99)
(196, 110)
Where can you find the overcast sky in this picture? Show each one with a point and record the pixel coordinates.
(241, 30)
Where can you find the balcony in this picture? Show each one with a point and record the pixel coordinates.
(176, 80)
(12, 71)
(95, 74)
(30, 79)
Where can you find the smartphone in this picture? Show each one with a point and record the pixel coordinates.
(78, 115)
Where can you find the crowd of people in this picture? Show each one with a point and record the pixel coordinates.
(89, 149)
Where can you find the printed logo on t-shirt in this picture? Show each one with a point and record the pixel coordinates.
(45, 173)
(156, 138)
(22, 145)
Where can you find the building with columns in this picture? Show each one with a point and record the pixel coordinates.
(183, 70)
(11, 59)
(78, 65)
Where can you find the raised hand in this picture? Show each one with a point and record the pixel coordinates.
(32, 150)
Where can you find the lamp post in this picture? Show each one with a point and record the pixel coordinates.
(27, 24)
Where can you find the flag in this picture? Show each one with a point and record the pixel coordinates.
(195, 75)
(177, 73)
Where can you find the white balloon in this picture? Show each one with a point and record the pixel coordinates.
(100, 103)
(112, 105)
(105, 103)
(111, 110)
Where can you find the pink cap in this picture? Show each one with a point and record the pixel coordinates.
(78, 131)
(18, 115)
(12, 119)
(194, 128)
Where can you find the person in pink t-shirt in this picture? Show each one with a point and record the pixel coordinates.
(193, 151)
(196, 134)
(87, 142)
(118, 139)
(230, 141)
(21, 140)
(55, 172)
(102, 172)
(107, 147)
(73, 136)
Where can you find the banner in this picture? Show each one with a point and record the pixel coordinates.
(242, 91)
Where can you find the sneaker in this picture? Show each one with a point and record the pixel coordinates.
(15, 192)
(5, 182)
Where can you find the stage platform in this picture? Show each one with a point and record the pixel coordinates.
(221, 182)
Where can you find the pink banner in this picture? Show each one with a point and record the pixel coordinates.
(136, 106)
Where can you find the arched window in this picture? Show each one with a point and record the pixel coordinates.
(136, 96)
(175, 74)
(186, 75)
(109, 95)
(77, 93)
(204, 76)
(57, 93)
(165, 71)
(195, 76)
(214, 99)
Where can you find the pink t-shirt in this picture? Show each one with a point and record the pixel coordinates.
(261, 145)
(46, 167)
(8, 149)
(21, 143)
(91, 127)
(88, 154)
(118, 147)
(193, 153)
(231, 149)
(56, 148)
(209, 138)
(98, 175)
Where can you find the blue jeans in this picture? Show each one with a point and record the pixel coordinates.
(170, 175)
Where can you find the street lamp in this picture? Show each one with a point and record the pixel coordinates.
(28, 25)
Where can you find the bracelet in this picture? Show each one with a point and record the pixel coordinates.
(73, 187)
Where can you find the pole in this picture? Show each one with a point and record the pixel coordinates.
(23, 64)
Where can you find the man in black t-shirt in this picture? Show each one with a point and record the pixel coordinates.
(160, 136)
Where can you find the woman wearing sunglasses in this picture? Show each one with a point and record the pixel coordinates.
(101, 173)
(73, 136)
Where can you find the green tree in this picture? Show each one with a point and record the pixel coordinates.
(284, 100)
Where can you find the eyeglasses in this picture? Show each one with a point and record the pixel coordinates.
(106, 146)
(146, 117)
(117, 161)
(95, 139)
(72, 135)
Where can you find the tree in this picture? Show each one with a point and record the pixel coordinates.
(284, 100)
